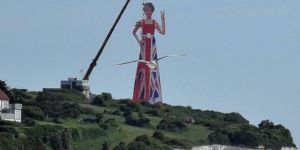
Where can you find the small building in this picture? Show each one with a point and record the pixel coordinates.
(80, 85)
(10, 112)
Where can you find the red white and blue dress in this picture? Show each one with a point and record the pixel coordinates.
(147, 81)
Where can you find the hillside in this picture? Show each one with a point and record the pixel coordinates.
(64, 119)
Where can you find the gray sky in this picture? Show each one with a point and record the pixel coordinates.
(243, 55)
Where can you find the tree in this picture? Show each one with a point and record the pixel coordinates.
(52, 105)
(56, 106)
(218, 138)
(100, 101)
(33, 112)
(106, 96)
(266, 124)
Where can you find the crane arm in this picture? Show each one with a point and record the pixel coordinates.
(94, 61)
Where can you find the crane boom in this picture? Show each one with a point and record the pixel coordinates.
(94, 61)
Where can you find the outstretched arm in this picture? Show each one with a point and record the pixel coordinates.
(162, 29)
(137, 26)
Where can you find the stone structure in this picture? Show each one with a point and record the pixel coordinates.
(80, 85)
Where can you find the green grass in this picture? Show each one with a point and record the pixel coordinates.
(97, 109)
(126, 133)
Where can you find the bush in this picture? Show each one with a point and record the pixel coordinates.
(218, 138)
(144, 138)
(9, 142)
(235, 118)
(171, 125)
(106, 96)
(33, 112)
(108, 124)
(159, 135)
(140, 122)
(153, 112)
(100, 101)
(29, 122)
(99, 117)
(248, 138)
(86, 110)
(104, 126)
(111, 122)
(134, 106)
(138, 146)
(147, 104)
(117, 113)
(179, 143)
(121, 146)
(127, 113)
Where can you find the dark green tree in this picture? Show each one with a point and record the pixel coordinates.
(100, 101)
(106, 96)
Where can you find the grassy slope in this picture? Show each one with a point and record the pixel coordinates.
(127, 133)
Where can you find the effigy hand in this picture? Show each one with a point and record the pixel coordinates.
(140, 42)
(162, 16)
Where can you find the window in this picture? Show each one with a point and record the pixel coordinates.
(5, 104)
(18, 115)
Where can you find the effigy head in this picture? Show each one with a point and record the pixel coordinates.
(148, 5)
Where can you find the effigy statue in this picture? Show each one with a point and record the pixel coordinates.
(147, 80)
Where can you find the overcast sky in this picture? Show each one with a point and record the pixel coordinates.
(243, 55)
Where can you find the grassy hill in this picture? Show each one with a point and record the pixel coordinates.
(64, 119)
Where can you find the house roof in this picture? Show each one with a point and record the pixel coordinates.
(3, 96)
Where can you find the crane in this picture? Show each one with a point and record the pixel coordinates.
(94, 61)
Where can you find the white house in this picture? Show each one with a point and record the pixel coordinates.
(10, 112)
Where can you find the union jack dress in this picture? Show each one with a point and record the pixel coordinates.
(147, 81)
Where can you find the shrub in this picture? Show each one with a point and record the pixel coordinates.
(29, 122)
(248, 138)
(140, 122)
(153, 112)
(125, 101)
(179, 143)
(127, 113)
(235, 118)
(111, 122)
(108, 124)
(121, 146)
(104, 126)
(144, 138)
(100, 101)
(138, 146)
(106, 96)
(171, 125)
(86, 110)
(117, 113)
(159, 135)
(147, 104)
(33, 112)
(218, 138)
(134, 106)
(99, 117)
(105, 146)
